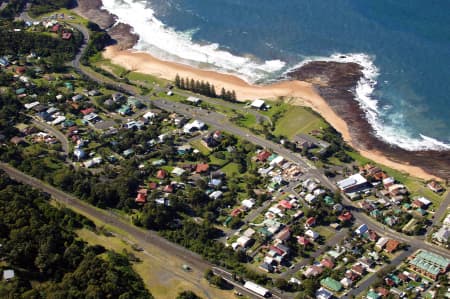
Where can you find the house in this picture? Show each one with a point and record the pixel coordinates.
(266, 267)
(263, 156)
(381, 243)
(243, 241)
(285, 204)
(8, 274)
(429, 264)
(66, 35)
(194, 100)
(331, 284)
(134, 103)
(128, 152)
(216, 195)
(322, 293)
(311, 234)
(202, 168)
(177, 171)
(372, 295)
(196, 125)
(327, 263)
(391, 245)
(354, 183)
(141, 197)
(77, 98)
(362, 229)
(345, 217)
(161, 174)
(249, 232)
(387, 182)
(442, 235)
(358, 269)
(435, 186)
(346, 282)
(310, 222)
(248, 203)
(303, 241)
(283, 235)
(258, 104)
(313, 271)
(149, 115)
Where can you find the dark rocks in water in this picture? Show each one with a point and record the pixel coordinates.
(120, 33)
(336, 83)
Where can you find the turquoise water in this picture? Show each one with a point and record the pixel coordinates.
(404, 46)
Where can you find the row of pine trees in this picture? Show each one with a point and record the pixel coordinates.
(204, 88)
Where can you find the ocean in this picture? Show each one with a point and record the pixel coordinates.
(404, 47)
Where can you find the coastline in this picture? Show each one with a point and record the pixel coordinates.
(330, 93)
(302, 93)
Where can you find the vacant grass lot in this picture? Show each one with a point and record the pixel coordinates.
(296, 120)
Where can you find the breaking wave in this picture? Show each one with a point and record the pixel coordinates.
(168, 44)
(392, 134)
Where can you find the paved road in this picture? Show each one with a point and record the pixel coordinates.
(221, 122)
(55, 132)
(442, 210)
(364, 286)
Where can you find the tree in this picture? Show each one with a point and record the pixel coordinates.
(188, 295)
(177, 81)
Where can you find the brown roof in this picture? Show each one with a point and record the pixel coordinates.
(263, 156)
(161, 174)
(392, 245)
(201, 168)
(358, 269)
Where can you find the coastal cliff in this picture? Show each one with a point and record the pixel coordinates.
(336, 82)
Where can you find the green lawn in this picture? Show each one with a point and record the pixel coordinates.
(298, 120)
(231, 169)
(198, 144)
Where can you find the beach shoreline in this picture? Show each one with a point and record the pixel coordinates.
(321, 85)
(302, 93)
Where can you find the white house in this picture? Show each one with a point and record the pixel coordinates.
(216, 194)
(149, 115)
(193, 100)
(196, 125)
(311, 234)
(258, 104)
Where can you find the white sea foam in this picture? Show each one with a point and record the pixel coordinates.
(168, 44)
(395, 133)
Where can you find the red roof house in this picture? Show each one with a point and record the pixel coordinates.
(55, 28)
(201, 168)
(311, 221)
(235, 212)
(66, 35)
(391, 245)
(263, 156)
(87, 111)
(152, 185)
(327, 263)
(168, 189)
(285, 204)
(161, 174)
(303, 241)
(141, 197)
(346, 216)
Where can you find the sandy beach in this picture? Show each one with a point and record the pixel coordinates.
(302, 93)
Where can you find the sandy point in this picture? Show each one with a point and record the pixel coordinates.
(301, 93)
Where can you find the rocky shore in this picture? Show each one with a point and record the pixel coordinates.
(121, 33)
(336, 82)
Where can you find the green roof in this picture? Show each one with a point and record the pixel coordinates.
(430, 262)
(20, 90)
(372, 295)
(328, 200)
(331, 284)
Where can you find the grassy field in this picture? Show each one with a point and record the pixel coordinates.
(230, 170)
(296, 120)
(69, 16)
(164, 277)
(198, 144)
